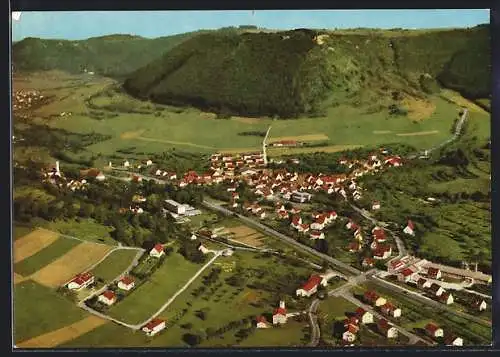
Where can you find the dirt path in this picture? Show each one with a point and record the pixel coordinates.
(62, 335)
(174, 142)
(32, 243)
(19, 278)
(419, 133)
(308, 137)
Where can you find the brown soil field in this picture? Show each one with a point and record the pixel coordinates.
(32, 243)
(419, 133)
(67, 333)
(77, 260)
(254, 239)
(240, 231)
(419, 109)
(309, 137)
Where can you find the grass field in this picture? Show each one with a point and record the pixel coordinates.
(289, 335)
(114, 264)
(222, 304)
(38, 310)
(190, 129)
(86, 229)
(152, 294)
(75, 261)
(32, 243)
(45, 256)
(20, 230)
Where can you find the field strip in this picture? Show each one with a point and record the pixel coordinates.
(19, 278)
(62, 335)
(32, 243)
(245, 120)
(291, 151)
(382, 132)
(73, 262)
(419, 133)
(240, 150)
(174, 142)
(132, 134)
(308, 137)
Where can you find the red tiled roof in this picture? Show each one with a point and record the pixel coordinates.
(360, 312)
(411, 225)
(153, 323)
(433, 272)
(313, 281)
(127, 280)
(81, 279)
(431, 327)
(109, 295)
(158, 247)
(407, 272)
(261, 319)
(279, 311)
(353, 320)
(383, 324)
(371, 295)
(352, 328)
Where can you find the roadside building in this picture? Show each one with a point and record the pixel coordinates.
(154, 326)
(126, 283)
(107, 298)
(157, 251)
(81, 281)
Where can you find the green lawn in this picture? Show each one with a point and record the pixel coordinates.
(288, 335)
(86, 229)
(335, 308)
(45, 256)
(150, 296)
(114, 264)
(20, 230)
(39, 310)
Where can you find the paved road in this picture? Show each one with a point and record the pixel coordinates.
(270, 231)
(456, 134)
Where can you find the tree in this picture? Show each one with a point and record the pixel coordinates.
(191, 339)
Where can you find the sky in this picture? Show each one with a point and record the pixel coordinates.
(78, 25)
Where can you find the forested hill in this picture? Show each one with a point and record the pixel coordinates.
(112, 55)
(300, 72)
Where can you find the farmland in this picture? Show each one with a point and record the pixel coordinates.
(114, 264)
(153, 293)
(34, 310)
(45, 256)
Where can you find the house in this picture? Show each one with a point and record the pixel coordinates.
(203, 249)
(332, 215)
(126, 164)
(386, 329)
(375, 205)
(261, 322)
(358, 235)
(295, 210)
(262, 215)
(319, 224)
(378, 235)
(372, 298)
(149, 163)
(81, 281)
(353, 320)
(157, 251)
(126, 283)
(154, 326)
(296, 221)
(310, 287)
(350, 334)
(453, 340)
(368, 262)
(303, 228)
(433, 330)
(382, 252)
(107, 298)
(390, 310)
(279, 315)
(393, 161)
(317, 235)
(410, 228)
(479, 304)
(283, 215)
(351, 225)
(135, 178)
(434, 273)
(395, 265)
(436, 289)
(446, 298)
(423, 283)
(363, 316)
(354, 247)
(406, 275)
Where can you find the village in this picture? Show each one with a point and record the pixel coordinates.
(285, 197)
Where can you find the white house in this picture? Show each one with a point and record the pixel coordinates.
(436, 289)
(375, 205)
(157, 251)
(107, 298)
(364, 316)
(410, 228)
(126, 164)
(279, 315)
(350, 334)
(126, 283)
(81, 281)
(479, 304)
(452, 340)
(390, 310)
(154, 326)
(149, 163)
(433, 330)
(262, 322)
(385, 328)
(310, 287)
(446, 298)
(317, 235)
(203, 249)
